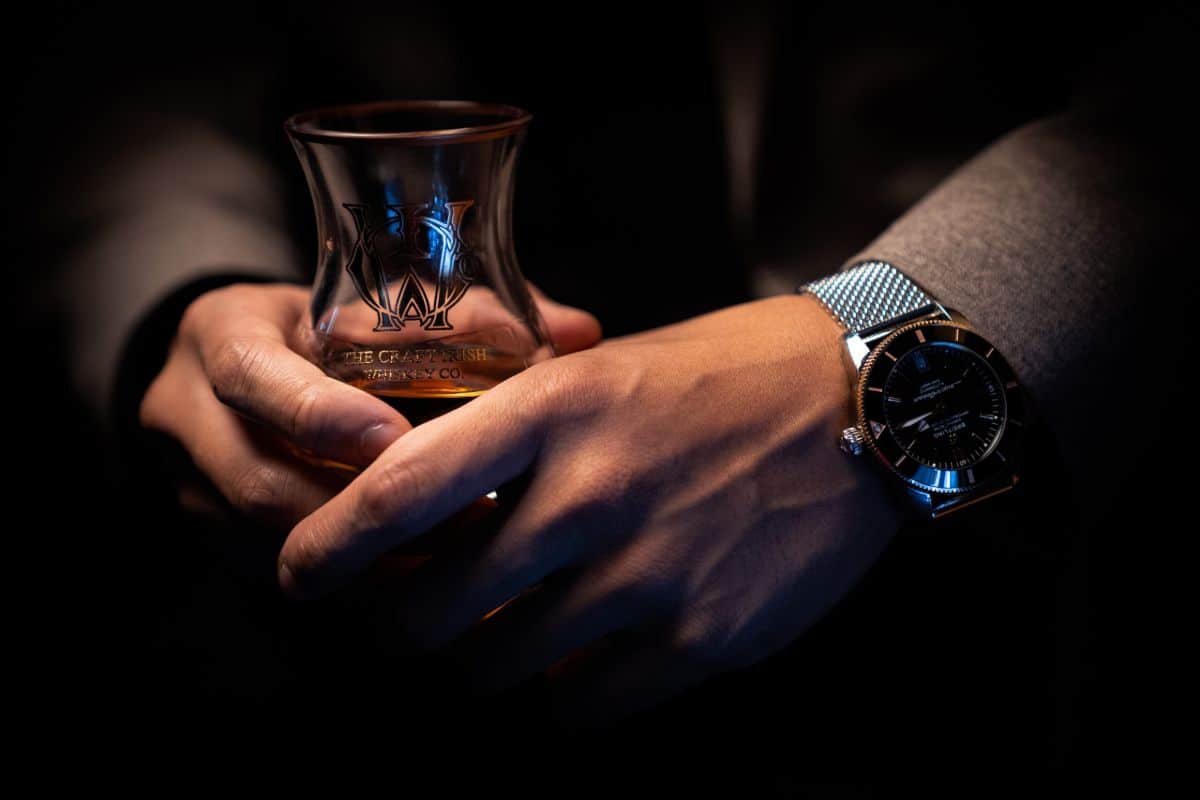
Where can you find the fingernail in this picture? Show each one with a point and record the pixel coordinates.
(289, 584)
(378, 438)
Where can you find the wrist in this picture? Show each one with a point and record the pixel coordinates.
(936, 406)
(825, 385)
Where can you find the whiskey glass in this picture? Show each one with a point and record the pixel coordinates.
(418, 297)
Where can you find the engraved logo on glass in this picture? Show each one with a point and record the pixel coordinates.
(412, 264)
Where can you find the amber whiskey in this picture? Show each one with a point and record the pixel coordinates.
(419, 406)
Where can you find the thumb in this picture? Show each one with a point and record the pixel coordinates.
(570, 328)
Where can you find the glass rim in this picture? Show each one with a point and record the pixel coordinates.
(306, 125)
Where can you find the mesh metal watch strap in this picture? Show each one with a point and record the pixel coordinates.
(868, 294)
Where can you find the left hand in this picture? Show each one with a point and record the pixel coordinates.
(240, 397)
(685, 487)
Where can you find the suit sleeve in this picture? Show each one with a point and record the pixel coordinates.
(172, 175)
(184, 199)
(1065, 243)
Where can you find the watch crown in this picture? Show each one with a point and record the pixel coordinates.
(852, 442)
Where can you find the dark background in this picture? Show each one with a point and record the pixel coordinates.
(956, 652)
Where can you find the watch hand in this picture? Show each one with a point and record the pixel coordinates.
(915, 420)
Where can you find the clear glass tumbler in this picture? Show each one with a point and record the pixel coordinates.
(418, 297)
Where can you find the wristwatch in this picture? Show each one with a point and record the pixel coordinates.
(934, 401)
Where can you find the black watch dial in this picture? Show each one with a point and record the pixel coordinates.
(945, 405)
(940, 406)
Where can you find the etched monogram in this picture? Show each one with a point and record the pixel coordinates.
(399, 258)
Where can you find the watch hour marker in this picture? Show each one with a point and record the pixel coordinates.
(970, 475)
(893, 399)
(1016, 422)
(987, 416)
(889, 355)
(1010, 385)
(874, 388)
(988, 354)
(900, 460)
(956, 332)
(1000, 456)
(920, 335)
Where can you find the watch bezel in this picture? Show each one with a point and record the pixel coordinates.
(1002, 458)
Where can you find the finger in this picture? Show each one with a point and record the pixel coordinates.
(629, 674)
(252, 475)
(540, 628)
(426, 475)
(262, 378)
(570, 328)
(456, 589)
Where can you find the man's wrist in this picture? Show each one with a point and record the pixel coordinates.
(830, 370)
(935, 404)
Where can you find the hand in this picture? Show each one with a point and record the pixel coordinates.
(234, 391)
(686, 499)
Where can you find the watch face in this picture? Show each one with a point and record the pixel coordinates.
(940, 406)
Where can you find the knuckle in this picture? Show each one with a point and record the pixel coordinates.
(698, 639)
(260, 491)
(649, 587)
(307, 420)
(611, 483)
(654, 573)
(387, 498)
(307, 551)
(568, 386)
(232, 368)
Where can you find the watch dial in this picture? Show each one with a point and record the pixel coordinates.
(945, 405)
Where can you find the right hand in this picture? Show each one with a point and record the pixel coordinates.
(235, 391)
